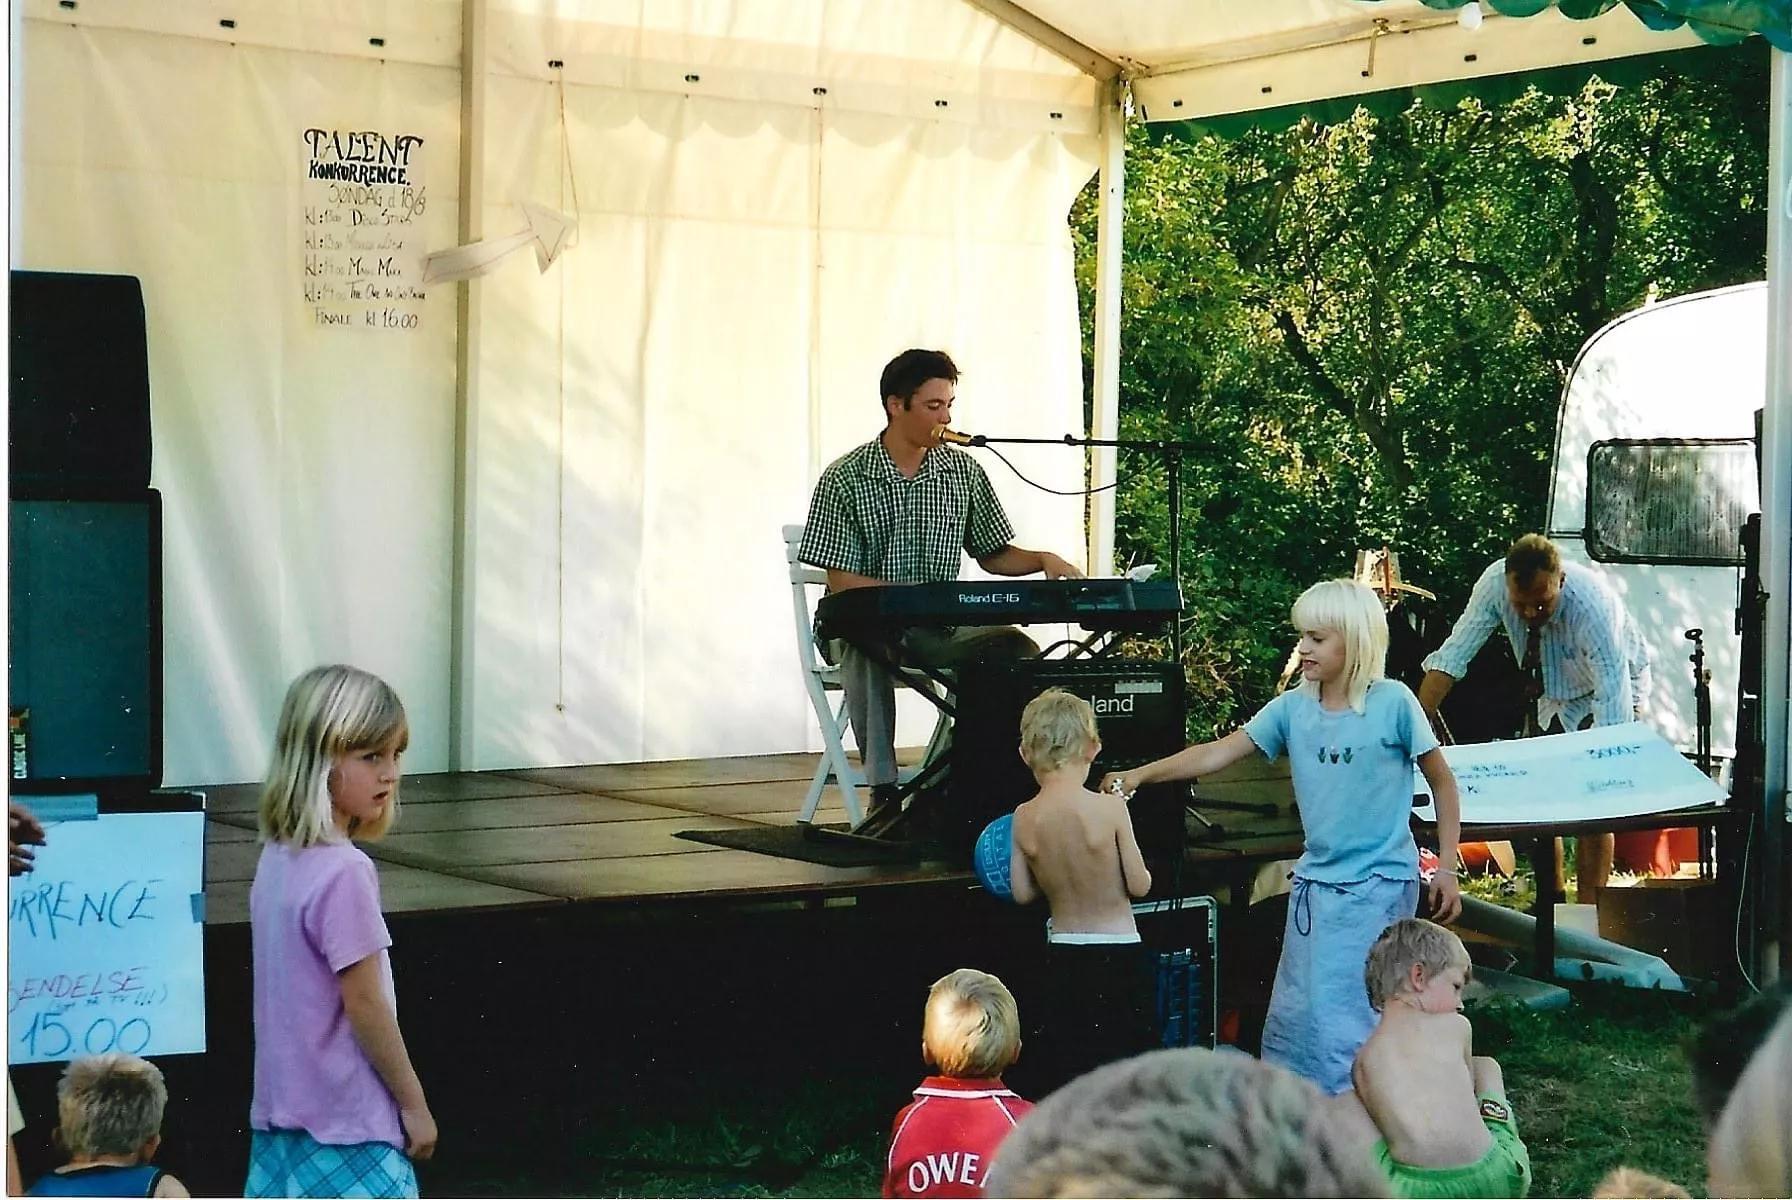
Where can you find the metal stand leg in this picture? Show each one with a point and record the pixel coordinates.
(1542, 853)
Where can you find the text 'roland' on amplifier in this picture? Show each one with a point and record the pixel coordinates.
(1139, 715)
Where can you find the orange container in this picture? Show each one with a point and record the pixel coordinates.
(1655, 851)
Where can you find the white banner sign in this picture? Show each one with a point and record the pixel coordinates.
(105, 945)
(363, 202)
(1608, 771)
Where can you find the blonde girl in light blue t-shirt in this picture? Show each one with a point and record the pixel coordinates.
(1352, 738)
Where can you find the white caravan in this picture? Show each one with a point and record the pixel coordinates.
(1654, 475)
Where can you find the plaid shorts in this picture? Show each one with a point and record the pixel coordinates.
(290, 1162)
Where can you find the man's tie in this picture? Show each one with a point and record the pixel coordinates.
(1533, 680)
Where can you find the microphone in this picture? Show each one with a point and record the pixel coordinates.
(943, 433)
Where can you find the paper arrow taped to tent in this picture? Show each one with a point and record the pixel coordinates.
(547, 229)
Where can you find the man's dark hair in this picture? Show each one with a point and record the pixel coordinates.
(1726, 1043)
(906, 373)
(1530, 556)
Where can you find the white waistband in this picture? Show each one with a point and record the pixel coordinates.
(1092, 939)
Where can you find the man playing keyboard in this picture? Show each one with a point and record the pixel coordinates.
(901, 509)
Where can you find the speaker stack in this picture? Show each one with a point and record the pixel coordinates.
(1139, 713)
(84, 602)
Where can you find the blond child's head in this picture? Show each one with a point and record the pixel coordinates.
(972, 1028)
(1184, 1123)
(330, 715)
(1751, 1145)
(1628, 1183)
(1351, 612)
(110, 1106)
(1057, 729)
(1405, 945)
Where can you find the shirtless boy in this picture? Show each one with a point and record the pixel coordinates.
(1077, 847)
(1445, 1126)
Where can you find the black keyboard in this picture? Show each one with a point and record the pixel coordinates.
(1097, 604)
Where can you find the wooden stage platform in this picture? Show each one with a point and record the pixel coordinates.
(604, 839)
(605, 835)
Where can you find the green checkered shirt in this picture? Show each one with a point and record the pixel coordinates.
(868, 518)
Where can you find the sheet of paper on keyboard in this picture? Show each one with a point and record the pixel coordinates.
(1610, 771)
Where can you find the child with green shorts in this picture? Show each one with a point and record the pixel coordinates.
(1445, 1126)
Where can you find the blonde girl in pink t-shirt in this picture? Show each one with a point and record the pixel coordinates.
(338, 1109)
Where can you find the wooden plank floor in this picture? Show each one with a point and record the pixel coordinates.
(559, 835)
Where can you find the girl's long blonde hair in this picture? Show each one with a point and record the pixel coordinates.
(1354, 612)
(328, 712)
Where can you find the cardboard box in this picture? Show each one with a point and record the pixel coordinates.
(1683, 920)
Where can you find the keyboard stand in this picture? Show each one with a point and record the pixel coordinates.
(878, 841)
(887, 827)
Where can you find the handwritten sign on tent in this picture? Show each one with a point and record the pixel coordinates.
(105, 937)
(363, 200)
(1608, 771)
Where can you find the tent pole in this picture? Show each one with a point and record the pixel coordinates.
(1041, 32)
(1104, 418)
(463, 583)
(1776, 519)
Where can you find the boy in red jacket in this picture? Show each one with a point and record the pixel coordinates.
(942, 1144)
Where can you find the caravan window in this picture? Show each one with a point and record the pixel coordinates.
(1666, 500)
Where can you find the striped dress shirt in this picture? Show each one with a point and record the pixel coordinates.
(1593, 657)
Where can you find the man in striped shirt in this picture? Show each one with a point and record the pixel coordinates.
(903, 508)
(1584, 658)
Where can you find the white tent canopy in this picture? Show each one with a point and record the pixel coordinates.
(1197, 58)
(549, 511)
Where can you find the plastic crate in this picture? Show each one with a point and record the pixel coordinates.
(1182, 937)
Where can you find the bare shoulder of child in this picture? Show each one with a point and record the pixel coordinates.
(1096, 815)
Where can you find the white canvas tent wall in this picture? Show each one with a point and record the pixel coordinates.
(773, 198)
(774, 194)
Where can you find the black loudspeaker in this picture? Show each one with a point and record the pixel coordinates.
(1139, 712)
(84, 623)
(79, 385)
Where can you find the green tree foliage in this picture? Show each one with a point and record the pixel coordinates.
(1370, 323)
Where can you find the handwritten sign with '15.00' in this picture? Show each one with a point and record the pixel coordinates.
(104, 937)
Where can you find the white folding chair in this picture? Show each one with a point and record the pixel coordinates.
(820, 678)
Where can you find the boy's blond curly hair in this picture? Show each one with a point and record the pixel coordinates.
(109, 1105)
(1184, 1123)
(972, 1026)
(1401, 945)
(1056, 728)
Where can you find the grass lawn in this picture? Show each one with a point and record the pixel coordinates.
(1600, 1084)
(1596, 1085)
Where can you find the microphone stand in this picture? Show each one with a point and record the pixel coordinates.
(1173, 453)
(1701, 694)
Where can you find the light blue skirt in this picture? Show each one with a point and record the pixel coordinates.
(1319, 1014)
(290, 1162)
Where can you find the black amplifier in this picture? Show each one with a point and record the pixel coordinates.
(1139, 714)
